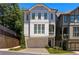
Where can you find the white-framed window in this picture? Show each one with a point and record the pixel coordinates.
(78, 18)
(35, 28)
(51, 16)
(72, 18)
(43, 28)
(51, 28)
(45, 16)
(27, 17)
(39, 28)
(65, 19)
(33, 15)
(39, 15)
(76, 31)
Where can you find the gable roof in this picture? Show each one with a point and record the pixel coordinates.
(42, 5)
(74, 10)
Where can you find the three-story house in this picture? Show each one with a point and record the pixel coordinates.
(40, 26)
(68, 28)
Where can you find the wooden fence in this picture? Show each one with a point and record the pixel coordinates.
(8, 38)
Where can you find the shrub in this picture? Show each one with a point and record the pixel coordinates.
(64, 45)
(58, 48)
(47, 47)
(59, 37)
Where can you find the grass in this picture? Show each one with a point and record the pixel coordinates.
(16, 49)
(57, 51)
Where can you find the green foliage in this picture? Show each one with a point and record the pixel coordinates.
(58, 48)
(64, 45)
(59, 37)
(16, 49)
(47, 47)
(58, 51)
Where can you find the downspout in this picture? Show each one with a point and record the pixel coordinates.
(55, 26)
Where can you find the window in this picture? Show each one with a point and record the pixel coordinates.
(66, 30)
(72, 18)
(51, 16)
(39, 28)
(51, 28)
(33, 15)
(27, 17)
(76, 31)
(35, 28)
(43, 28)
(39, 15)
(65, 19)
(45, 15)
(78, 18)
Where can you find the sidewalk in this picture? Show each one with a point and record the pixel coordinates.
(34, 51)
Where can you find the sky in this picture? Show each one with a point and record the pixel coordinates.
(62, 7)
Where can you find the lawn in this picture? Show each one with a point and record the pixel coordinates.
(57, 51)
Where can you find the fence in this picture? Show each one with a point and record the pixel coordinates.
(8, 38)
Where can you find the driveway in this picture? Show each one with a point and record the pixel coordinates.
(76, 52)
(38, 51)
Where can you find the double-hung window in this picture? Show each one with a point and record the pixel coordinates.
(78, 18)
(45, 16)
(51, 16)
(65, 19)
(39, 15)
(27, 17)
(43, 28)
(33, 16)
(51, 28)
(35, 28)
(76, 31)
(72, 18)
(39, 28)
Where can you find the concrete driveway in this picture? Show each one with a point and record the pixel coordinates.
(38, 51)
(76, 52)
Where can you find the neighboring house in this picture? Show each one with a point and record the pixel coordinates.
(40, 26)
(68, 28)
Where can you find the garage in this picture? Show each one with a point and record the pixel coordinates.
(36, 42)
(73, 45)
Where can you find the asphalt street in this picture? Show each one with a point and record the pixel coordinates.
(14, 53)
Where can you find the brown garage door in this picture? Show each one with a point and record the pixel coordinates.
(74, 46)
(37, 42)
